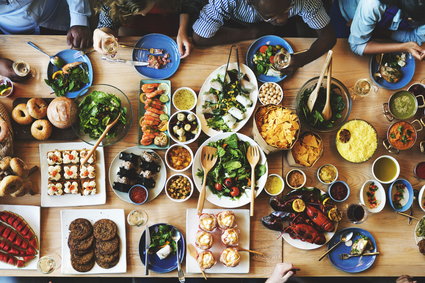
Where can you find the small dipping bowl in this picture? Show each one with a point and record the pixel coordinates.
(183, 94)
(273, 179)
(9, 83)
(137, 218)
(339, 191)
(138, 194)
(324, 167)
(380, 162)
(46, 264)
(419, 170)
(264, 96)
(293, 172)
(168, 183)
(170, 150)
(408, 190)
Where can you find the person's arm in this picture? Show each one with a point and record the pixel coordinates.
(375, 47)
(79, 34)
(281, 273)
(6, 70)
(183, 41)
(105, 28)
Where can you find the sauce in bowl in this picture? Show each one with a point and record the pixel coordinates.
(402, 135)
(184, 99)
(339, 191)
(403, 105)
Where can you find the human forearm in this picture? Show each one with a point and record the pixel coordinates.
(374, 47)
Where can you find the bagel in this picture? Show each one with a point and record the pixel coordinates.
(37, 108)
(5, 163)
(41, 129)
(10, 185)
(20, 114)
(18, 166)
(23, 190)
(4, 129)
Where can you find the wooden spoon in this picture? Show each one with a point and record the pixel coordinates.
(327, 110)
(194, 253)
(250, 251)
(208, 159)
(107, 129)
(313, 95)
(253, 156)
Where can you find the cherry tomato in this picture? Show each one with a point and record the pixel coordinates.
(234, 192)
(263, 48)
(218, 186)
(272, 59)
(228, 182)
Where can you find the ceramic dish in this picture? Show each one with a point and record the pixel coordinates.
(194, 127)
(334, 186)
(168, 184)
(406, 200)
(296, 170)
(193, 94)
(379, 194)
(280, 190)
(321, 168)
(167, 156)
(421, 198)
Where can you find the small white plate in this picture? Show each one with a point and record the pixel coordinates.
(70, 199)
(31, 214)
(116, 215)
(243, 224)
(421, 198)
(159, 180)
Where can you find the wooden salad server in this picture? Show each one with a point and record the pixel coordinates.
(313, 95)
(194, 253)
(208, 160)
(327, 110)
(253, 156)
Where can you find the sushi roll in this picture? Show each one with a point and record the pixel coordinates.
(133, 158)
(148, 183)
(229, 121)
(54, 189)
(54, 157)
(70, 172)
(127, 165)
(237, 113)
(146, 174)
(54, 172)
(245, 101)
(70, 157)
(129, 173)
(92, 158)
(89, 187)
(121, 187)
(87, 171)
(151, 166)
(71, 187)
(148, 156)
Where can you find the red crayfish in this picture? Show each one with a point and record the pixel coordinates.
(305, 233)
(320, 219)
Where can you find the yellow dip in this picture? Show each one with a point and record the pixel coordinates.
(46, 264)
(273, 185)
(327, 174)
(184, 99)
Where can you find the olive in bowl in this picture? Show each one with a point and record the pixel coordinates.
(184, 127)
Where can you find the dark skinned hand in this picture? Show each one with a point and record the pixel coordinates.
(6, 70)
(293, 66)
(79, 37)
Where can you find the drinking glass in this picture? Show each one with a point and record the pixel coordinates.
(137, 218)
(357, 213)
(364, 87)
(110, 46)
(49, 263)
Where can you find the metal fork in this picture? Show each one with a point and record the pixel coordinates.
(81, 53)
(347, 256)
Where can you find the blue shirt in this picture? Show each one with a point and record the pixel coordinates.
(213, 16)
(365, 14)
(25, 16)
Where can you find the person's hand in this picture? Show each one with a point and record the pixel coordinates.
(281, 273)
(79, 37)
(6, 70)
(405, 279)
(99, 37)
(294, 65)
(184, 43)
(413, 48)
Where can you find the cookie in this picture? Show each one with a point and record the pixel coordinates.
(107, 265)
(104, 230)
(80, 245)
(106, 258)
(80, 229)
(83, 267)
(82, 259)
(108, 247)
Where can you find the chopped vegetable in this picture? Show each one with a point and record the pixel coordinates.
(264, 58)
(162, 236)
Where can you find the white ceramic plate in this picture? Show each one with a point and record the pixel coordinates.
(227, 201)
(417, 239)
(70, 199)
(421, 198)
(380, 196)
(308, 246)
(31, 214)
(207, 85)
(243, 224)
(159, 179)
(116, 215)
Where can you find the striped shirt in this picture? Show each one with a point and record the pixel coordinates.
(214, 15)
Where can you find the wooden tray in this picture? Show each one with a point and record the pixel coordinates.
(23, 132)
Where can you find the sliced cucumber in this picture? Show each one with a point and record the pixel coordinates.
(164, 98)
(163, 117)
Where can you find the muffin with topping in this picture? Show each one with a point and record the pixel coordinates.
(226, 219)
(204, 240)
(207, 222)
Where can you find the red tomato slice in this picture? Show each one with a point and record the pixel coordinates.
(263, 48)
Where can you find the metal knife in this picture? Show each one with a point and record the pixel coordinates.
(128, 62)
(147, 244)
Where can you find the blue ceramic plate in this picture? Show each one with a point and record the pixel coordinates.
(167, 264)
(68, 56)
(266, 40)
(354, 264)
(407, 195)
(156, 40)
(408, 73)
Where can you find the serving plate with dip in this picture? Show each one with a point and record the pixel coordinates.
(402, 105)
(400, 195)
(402, 135)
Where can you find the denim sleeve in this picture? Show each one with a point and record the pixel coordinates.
(417, 35)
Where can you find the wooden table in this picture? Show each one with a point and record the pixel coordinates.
(394, 236)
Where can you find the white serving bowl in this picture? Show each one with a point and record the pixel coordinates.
(281, 189)
(168, 151)
(379, 194)
(421, 198)
(194, 96)
(305, 179)
(170, 128)
(168, 182)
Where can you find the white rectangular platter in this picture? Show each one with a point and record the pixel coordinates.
(116, 215)
(243, 224)
(70, 199)
(31, 214)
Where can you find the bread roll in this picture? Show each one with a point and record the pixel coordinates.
(62, 112)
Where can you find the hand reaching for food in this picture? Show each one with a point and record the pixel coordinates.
(101, 38)
(413, 48)
(405, 279)
(281, 273)
(184, 43)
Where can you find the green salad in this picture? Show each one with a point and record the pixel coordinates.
(263, 59)
(72, 77)
(97, 110)
(231, 175)
(161, 237)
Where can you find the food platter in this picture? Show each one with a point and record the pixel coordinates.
(156, 40)
(408, 71)
(243, 224)
(72, 199)
(93, 215)
(31, 214)
(227, 201)
(354, 264)
(160, 178)
(250, 84)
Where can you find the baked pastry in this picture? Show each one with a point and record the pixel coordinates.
(54, 157)
(226, 219)
(41, 129)
(54, 173)
(10, 184)
(206, 260)
(37, 108)
(4, 130)
(17, 166)
(230, 237)
(204, 240)
(230, 257)
(70, 172)
(70, 157)
(207, 222)
(54, 189)
(89, 187)
(62, 112)
(20, 114)
(71, 187)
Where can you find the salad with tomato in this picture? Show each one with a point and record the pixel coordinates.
(231, 174)
(264, 58)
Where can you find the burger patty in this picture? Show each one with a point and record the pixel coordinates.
(82, 259)
(110, 258)
(80, 245)
(108, 264)
(83, 267)
(104, 230)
